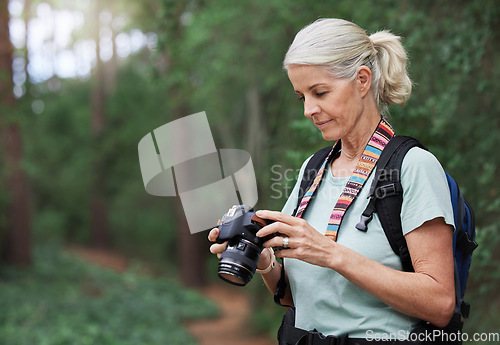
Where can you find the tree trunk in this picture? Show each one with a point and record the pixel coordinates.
(255, 128)
(111, 66)
(192, 249)
(99, 231)
(17, 241)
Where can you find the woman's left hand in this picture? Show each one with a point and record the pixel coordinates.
(304, 242)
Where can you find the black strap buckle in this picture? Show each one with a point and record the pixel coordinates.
(363, 222)
(385, 191)
(465, 243)
(465, 309)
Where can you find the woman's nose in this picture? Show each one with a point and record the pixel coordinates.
(310, 108)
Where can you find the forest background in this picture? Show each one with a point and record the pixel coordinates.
(82, 81)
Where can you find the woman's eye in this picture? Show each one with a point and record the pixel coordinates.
(316, 94)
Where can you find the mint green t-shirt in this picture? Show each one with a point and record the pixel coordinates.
(327, 301)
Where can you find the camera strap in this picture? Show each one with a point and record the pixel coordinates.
(366, 163)
(280, 291)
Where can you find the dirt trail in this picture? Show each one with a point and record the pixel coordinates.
(229, 329)
(103, 257)
(232, 327)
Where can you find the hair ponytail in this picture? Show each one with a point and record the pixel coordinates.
(394, 84)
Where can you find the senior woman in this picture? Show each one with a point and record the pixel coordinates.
(342, 280)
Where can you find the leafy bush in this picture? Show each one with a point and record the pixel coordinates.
(63, 300)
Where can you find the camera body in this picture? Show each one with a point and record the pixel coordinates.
(239, 226)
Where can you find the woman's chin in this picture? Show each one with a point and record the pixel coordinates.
(329, 136)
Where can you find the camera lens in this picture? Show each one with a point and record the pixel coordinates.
(239, 261)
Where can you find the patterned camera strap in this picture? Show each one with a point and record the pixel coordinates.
(366, 163)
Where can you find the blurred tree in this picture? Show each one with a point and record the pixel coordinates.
(191, 252)
(104, 85)
(16, 242)
(99, 225)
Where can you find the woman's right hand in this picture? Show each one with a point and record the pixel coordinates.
(216, 248)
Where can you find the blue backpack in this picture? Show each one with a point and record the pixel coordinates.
(386, 199)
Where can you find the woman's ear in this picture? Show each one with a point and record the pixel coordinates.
(364, 80)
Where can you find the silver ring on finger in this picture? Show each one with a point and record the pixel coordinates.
(285, 242)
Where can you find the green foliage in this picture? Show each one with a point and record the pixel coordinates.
(57, 158)
(482, 289)
(63, 300)
(59, 152)
(139, 221)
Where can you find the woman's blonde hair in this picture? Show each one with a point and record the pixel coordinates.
(342, 47)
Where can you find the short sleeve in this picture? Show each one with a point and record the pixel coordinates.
(426, 194)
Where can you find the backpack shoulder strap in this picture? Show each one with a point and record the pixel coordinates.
(312, 167)
(386, 196)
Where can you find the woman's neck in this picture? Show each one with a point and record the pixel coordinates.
(354, 145)
(352, 148)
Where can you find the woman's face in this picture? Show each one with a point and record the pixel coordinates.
(334, 105)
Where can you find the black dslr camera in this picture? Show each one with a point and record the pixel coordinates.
(238, 262)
